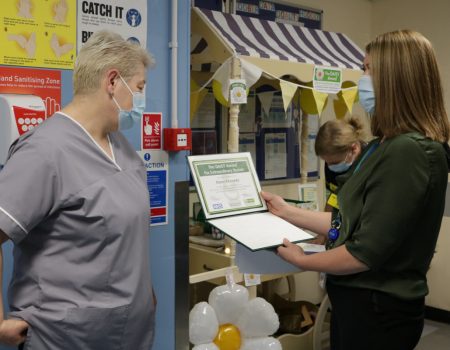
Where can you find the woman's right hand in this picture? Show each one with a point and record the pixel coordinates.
(13, 331)
(275, 204)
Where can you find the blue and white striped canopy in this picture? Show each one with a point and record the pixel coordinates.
(256, 38)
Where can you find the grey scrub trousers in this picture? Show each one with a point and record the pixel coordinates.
(79, 221)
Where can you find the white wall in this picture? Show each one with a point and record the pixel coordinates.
(428, 17)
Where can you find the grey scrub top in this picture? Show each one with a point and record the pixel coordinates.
(79, 221)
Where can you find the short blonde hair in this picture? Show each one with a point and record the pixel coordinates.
(407, 85)
(106, 50)
(337, 136)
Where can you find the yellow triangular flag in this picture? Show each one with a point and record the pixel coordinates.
(340, 109)
(349, 97)
(287, 91)
(196, 100)
(320, 98)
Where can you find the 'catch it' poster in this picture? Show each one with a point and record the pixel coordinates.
(38, 33)
(125, 17)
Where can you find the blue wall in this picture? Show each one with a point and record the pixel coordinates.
(158, 100)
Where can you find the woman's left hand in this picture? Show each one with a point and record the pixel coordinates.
(290, 252)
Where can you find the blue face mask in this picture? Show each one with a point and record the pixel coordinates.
(366, 94)
(339, 167)
(342, 166)
(128, 118)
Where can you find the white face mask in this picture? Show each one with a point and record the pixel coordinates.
(128, 118)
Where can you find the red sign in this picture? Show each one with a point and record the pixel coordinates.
(44, 83)
(158, 211)
(151, 131)
(27, 119)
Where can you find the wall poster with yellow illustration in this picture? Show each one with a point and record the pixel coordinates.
(38, 33)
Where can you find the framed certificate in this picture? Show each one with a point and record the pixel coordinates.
(229, 192)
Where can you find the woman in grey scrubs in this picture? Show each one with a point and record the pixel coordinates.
(74, 200)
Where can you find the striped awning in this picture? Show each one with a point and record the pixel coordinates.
(278, 48)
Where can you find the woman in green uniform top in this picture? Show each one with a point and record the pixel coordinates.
(391, 203)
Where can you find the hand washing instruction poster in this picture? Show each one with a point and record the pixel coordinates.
(38, 33)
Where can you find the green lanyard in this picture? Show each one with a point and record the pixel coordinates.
(366, 155)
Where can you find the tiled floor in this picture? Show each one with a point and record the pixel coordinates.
(435, 336)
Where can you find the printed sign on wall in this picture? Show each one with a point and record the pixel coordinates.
(157, 166)
(151, 131)
(44, 83)
(127, 18)
(38, 33)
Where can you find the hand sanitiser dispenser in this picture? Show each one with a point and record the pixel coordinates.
(18, 114)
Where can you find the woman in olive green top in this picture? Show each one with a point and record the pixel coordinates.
(391, 203)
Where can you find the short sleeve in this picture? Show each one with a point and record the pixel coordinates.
(394, 198)
(28, 188)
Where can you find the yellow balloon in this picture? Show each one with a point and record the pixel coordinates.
(228, 337)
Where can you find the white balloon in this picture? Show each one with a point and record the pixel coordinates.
(268, 343)
(210, 346)
(228, 302)
(258, 319)
(203, 324)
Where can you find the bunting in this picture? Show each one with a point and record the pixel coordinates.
(287, 92)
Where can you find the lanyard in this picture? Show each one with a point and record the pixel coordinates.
(334, 232)
(366, 155)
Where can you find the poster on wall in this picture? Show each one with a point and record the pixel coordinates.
(127, 18)
(274, 11)
(38, 33)
(43, 83)
(151, 127)
(313, 160)
(276, 116)
(275, 156)
(247, 143)
(27, 98)
(157, 166)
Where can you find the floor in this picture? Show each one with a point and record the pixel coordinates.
(435, 336)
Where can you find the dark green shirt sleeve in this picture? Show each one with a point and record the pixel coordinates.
(393, 201)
